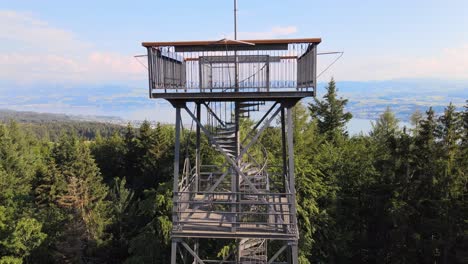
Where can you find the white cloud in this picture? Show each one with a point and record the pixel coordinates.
(22, 31)
(448, 63)
(33, 51)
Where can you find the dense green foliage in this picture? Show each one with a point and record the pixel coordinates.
(393, 196)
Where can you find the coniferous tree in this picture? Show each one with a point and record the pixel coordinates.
(415, 119)
(84, 200)
(385, 126)
(330, 114)
(20, 231)
(109, 154)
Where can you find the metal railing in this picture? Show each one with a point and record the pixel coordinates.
(230, 70)
(222, 211)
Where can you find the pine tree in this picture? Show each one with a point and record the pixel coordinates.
(330, 114)
(84, 200)
(20, 231)
(109, 154)
(415, 119)
(449, 132)
(385, 126)
(384, 134)
(151, 243)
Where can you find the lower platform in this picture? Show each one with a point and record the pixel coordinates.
(220, 217)
(233, 235)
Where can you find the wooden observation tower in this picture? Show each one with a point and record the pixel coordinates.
(244, 198)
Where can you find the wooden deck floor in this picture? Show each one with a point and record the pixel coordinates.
(206, 222)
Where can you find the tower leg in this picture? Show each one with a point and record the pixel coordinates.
(292, 186)
(294, 253)
(284, 151)
(176, 183)
(198, 151)
(174, 252)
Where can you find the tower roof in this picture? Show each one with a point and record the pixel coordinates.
(231, 42)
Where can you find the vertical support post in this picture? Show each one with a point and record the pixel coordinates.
(292, 186)
(176, 182)
(236, 64)
(174, 252)
(294, 253)
(176, 163)
(198, 151)
(284, 152)
(150, 70)
(315, 70)
(235, 180)
(268, 74)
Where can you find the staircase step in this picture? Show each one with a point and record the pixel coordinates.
(226, 141)
(225, 132)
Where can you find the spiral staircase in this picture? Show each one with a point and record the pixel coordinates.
(250, 251)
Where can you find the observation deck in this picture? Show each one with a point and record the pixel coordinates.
(232, 70)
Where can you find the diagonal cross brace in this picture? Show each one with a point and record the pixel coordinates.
(244, 150)
(190, 250)
(213, 187)
(277, 254)
(234, 163)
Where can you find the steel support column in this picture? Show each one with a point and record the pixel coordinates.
(284, 152)
(174, 251)
(292, 186)
(198, 151)
(176, 181)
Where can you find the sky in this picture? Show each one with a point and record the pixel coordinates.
(92, 43)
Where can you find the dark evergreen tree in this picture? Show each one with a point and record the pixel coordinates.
(20, 231)
(330, 114)
(84, 200)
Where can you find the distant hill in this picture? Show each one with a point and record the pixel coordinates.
(51, 126)
(35, 117)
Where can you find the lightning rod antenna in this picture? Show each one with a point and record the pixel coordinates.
(235, 19)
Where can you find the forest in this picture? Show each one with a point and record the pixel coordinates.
(394, 195)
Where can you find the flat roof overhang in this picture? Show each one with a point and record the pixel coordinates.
(231, 42)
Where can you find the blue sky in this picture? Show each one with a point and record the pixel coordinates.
(69, 44)
(381, 39)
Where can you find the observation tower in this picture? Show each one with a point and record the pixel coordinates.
(243, 200)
